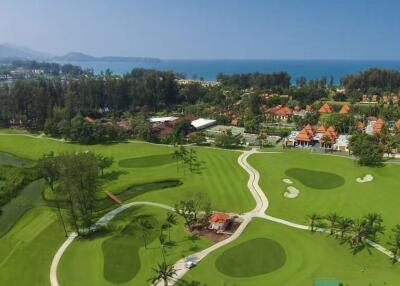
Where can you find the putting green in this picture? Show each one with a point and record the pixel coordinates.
(251, 258)
(147, 161)
(316, 179)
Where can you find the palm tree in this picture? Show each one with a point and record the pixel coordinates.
(145, 227)
(163, 272)
(360, 231)
(344, 224)
(333, 219)
(171, 220)
(326, 141)
(374, 222)
(395, 243)
(313, 219)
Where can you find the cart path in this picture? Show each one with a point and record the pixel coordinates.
(104, 220)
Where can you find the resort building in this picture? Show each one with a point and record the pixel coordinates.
(342, 143)
(218, 221)
(326, 108)
(280, 112)
(203, 123)
(163, 119)
(374, 125)
(345, 109)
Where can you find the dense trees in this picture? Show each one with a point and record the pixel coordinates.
(228, 139)
(366, 148)
(257, 80)
(373, 81)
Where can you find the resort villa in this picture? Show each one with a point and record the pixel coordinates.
(218, 221)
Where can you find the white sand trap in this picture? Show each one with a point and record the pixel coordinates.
(287, 181)
(291, 192)
(367, 178)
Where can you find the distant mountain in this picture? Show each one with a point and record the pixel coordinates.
(11, 52)
(80, 57)
(8, 51)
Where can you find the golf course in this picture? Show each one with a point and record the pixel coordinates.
(263, 252)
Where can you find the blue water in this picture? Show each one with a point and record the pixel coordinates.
(209, 69)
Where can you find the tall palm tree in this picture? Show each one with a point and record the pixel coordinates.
(313, 219)
(171, 220)
(163, 272)
(374, 222)
(333, 219)
(395, 243)
(145, 226)
(359, 233)
(344, 224)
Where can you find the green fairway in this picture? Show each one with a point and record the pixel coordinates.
(221, 178)
(119, 257)
(309, 256)
(27, 250)
(350, 199)
(147, 161)
(29, 197)
(251, 258)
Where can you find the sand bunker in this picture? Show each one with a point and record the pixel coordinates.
(291, 192)
(365, 179)
(287, 181)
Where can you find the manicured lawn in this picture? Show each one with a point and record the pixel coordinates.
(262, 255)
(29, 197)
(27, 250)
(147, 161)
(308, 257)
(221, 178)
(120, 258)
(328, 184)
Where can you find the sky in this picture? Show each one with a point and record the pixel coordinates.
(206, 29)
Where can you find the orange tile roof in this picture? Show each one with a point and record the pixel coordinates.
(284, 111)
(374, 97)
(397, 124)
(308, 108)
(360, 125)
(321, 129)
(304, 136)
(325, 108)
(218, 217)
(345, 109)
(385, 98)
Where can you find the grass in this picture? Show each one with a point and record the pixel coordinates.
(27, 250)
(221, 178)
(29, 197)
(12, 160)
(309, 256)
(315, 179)
(119, 257)
(349, 199)
(251, 258)
(147, 161)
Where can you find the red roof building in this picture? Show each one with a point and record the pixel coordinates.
(218, 221)
(345, 109)
(326, 108)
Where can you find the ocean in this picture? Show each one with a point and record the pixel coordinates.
(209, 69)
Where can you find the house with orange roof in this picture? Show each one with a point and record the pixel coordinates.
(326, 108)
(88, 119)
(364, 98)
(280, 112)
(385, 99)
(345, 109)
(321, 129)
(395, 99)
(305, 136)
(218, 221)
(378, 126)
(397, 126)
(374, 98)
(308, 108)
(360, 125)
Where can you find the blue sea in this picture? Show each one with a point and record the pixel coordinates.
(209, 69)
